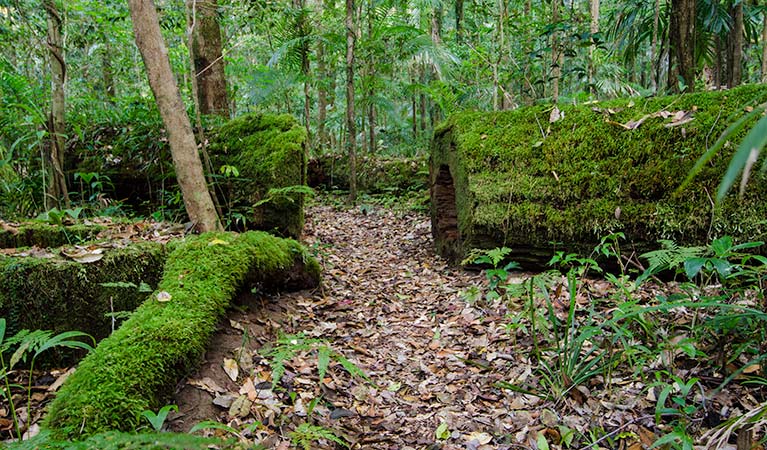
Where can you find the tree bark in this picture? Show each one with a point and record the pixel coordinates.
(351, 140)
(682, 44)
(556, 60)
(57, 187)
(459, 21)
(322, 97)
(594, 29)
(207, 56)
(186, 160)
(764, 48)
(107, 72)
(735, 46)
(654, 59)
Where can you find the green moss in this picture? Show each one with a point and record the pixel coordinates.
(61, 295)
(268, 152)
(375, 174)
(138, 366)
(121, 441)
(522, 181)
(45, 235)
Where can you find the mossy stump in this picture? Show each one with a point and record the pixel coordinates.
(537, 183)
(268, 153)
(375, 174)
(137, 367)
(61, 295)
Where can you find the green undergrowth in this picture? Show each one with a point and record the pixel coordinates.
(522, 180)
(263, 152)
(46, 235)
(124, 441)
(138, 366)
(59, 294)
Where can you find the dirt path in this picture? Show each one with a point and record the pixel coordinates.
(392, 307)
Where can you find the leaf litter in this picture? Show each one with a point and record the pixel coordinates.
(434, 356)
(436, 362)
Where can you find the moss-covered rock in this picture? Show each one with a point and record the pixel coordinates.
(517, 179)
(375, 174)
(138, 366)
(45, 235)
(268, 152)
(60, 295)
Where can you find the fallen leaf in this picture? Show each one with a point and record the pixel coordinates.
(231, 368)
(163, 296)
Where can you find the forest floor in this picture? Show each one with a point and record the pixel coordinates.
(398, 350)
(433, 357)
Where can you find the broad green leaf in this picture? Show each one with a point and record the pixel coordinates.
(755, 140)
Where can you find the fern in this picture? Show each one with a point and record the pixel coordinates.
(289, 346)
(670, 257)
(305, 434)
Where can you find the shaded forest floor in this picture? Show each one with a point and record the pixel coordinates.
(434, 355)
(397, 350)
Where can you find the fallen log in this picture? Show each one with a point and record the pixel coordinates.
(137, 367)
(541, 179)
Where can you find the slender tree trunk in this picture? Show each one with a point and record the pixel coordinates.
(654, 57)
(764, 48)
(303, 30)
(735, 47)
(186, 160)
(371, 109)
(57, 188)
(351, 139)
(207, 56)
(322, 97)
(594, 29)
(107, 72)
(682, 44)
(459, 21)
(556, 68)
(763, 71)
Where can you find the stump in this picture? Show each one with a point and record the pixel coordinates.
(538, 180)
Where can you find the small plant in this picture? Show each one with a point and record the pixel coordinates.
(288, 346)
(34, 343)
(680, 409)
(305, 434)
(497, 274)
(158, 420)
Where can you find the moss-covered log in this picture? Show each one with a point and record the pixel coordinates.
(45, 235)
(268, 153)
(375, 174)
(535, 182)
(61, 295)
(138, 366)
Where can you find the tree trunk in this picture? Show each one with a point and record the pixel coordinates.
(735, 46)
(594, 29)
(764, 48)
(459, 21)
(107, 72)
(351, 139)
(303, 31)
(322, 97)
(57, 187)
(186, 160)
(682, 44)
(556, 68)
(207, 56)
(654, 59)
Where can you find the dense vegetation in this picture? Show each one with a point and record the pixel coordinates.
(214, 121)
